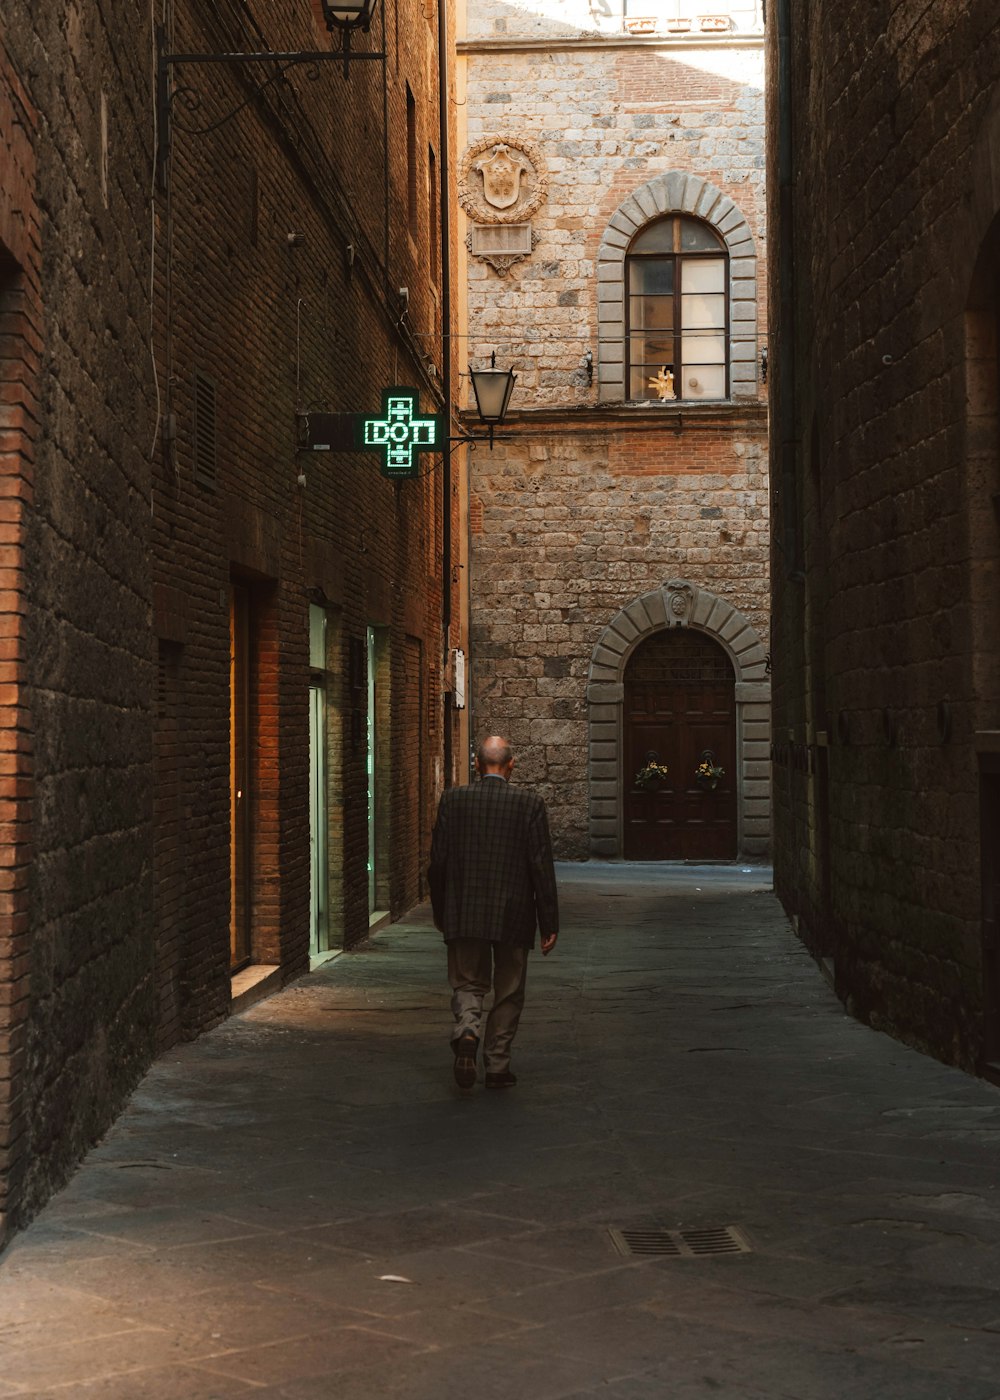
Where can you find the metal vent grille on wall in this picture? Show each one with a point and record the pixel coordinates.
(203, 434)
(681, 1244)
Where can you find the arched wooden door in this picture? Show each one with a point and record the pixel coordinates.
(680, 709)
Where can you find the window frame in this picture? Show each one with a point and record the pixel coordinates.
(412, 145)
(678, 257)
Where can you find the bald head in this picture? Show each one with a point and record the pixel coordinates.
(494, 755)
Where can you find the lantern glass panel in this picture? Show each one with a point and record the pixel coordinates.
(347, 12)
(493, 389)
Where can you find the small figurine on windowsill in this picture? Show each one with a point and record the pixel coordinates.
(663, 383)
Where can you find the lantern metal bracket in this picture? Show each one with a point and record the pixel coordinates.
(282, 62)
(473, 438)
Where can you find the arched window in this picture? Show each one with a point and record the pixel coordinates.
(677, 312)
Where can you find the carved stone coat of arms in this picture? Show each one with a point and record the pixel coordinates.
(502, 179)
(501, 173)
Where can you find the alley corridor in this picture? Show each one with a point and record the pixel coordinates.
(300, 1204)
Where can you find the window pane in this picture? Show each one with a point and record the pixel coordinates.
(699, 349)
(700, 312)
(704, 275)
(656, 312)
(655, 238)
(651, 275)
(637, 382)
(643, 381)
(697, 237)
(703, 382)
(651, 349)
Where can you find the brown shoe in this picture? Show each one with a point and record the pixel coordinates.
(466, 1048)
(504, 1080)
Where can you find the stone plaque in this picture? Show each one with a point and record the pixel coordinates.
(501, 245)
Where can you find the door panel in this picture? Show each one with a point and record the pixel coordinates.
(240, 777)
(319, 940)
(680, 704)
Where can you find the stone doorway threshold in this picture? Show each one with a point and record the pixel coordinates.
(253, 984)
(321, 959)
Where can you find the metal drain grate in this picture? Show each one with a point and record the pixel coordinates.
(681, 1244)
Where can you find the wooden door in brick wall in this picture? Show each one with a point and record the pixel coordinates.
(240, 778)
(412, 856)
(680, 712)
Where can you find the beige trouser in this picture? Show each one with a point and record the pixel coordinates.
(473, 964)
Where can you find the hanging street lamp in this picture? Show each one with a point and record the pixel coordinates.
(493, 388)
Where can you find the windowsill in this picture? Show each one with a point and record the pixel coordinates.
(666, 405)
(629, 408)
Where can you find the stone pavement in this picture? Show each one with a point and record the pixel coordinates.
(300, 1204)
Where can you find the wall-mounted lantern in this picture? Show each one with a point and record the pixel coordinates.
(493, 388)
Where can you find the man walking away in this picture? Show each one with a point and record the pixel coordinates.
(492, 882)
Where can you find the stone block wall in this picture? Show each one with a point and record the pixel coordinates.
(569, 528)
(607, 117)
(884, 212)
(589, 503)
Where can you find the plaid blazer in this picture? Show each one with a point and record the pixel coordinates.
(491, 874)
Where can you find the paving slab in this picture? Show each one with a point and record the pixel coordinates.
(301, 1204)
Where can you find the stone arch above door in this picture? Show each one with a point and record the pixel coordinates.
(678, 603)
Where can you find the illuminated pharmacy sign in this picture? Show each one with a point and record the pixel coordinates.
(400, 434)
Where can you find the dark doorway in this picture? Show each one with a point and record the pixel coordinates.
(680, 710)
(240, 805)
(169, 846)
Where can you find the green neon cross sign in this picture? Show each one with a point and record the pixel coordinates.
(400, 434)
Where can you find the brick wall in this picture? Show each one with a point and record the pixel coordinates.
(20, 343)
(180, 342)
(885, 554)
(76, 1023)
(283, 325)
